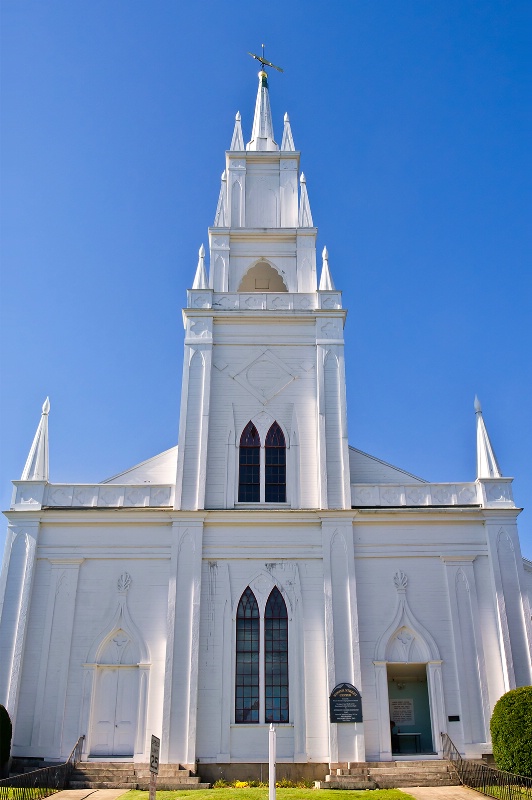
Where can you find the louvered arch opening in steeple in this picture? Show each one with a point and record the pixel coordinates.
(262, 277)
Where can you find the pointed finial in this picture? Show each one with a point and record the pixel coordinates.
(200, 279)
(221, 216)
(326, 281)
(288, 140)
(36, 466)
(237, 142)
(305, 215)
(487, 465)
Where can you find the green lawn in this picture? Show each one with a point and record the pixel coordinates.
(282, 794)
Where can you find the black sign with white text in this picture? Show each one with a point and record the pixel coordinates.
(345, 704)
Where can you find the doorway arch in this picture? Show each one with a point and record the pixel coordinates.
(406, 653)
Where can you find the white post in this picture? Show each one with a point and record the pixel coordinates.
(271, 764)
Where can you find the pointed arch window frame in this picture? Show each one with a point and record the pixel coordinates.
(271, 466)
(262, 660)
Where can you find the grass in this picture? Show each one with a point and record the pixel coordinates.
(282, 794)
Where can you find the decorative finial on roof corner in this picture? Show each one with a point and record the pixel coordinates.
(224, 177)
(237, 142)
(487, 464)
(200, 278)
(305, 214)
(288, 139)
(36, 466)
(326, 281)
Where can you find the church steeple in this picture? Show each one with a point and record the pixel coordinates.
(262, 133)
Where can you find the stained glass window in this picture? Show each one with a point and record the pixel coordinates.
(276, 658)
(247, 659)
(249, 466)
(275, 466)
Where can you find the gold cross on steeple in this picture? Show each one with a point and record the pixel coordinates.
(263, 60)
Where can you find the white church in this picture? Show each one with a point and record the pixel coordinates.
(237, 579)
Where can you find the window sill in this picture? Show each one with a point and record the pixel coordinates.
(261, 724)
(253, 506)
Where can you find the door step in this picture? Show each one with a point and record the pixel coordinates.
(130, 775)
(389, 775)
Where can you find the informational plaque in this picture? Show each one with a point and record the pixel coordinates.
(345, 704)
(402, 711)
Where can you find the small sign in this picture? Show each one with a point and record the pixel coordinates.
(345, 704)
(402, 711)
(154, 754)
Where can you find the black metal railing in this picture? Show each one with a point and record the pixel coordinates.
(488, 780)
(41, 782)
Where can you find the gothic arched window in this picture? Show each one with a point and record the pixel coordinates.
(275, 466)
(276, 658)
(247, 702)
(249, 466)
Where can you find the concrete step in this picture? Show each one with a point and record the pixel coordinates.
(100, 785)
(169, 785)
(345, 782)
(165, 773)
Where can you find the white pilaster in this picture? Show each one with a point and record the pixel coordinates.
(55, 659)
(182, 649)
(18, 588)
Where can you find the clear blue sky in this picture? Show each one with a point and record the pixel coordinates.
(414, 122)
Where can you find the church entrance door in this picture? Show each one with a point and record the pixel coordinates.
(410, 717)
(115, 711)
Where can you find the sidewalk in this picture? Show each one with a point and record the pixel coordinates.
(441, 792)
(93, 794)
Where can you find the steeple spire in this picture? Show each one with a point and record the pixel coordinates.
(200, 279)
(262, 133)
(36, 467)
(326, 281)
(487, 466)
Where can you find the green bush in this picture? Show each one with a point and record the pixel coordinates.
(5, 739)
(511, 731)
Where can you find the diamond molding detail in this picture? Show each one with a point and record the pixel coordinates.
(265, 376)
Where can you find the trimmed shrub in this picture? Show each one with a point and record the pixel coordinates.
(511, 731)
(5, 741)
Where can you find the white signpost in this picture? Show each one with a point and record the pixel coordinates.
(271, 763)
(154, 764)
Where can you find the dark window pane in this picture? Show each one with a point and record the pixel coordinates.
(276, 658)
(249, 466)
(275, 470)
(247, 659)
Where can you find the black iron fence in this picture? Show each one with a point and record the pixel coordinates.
(41, 782)
(488, 780)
